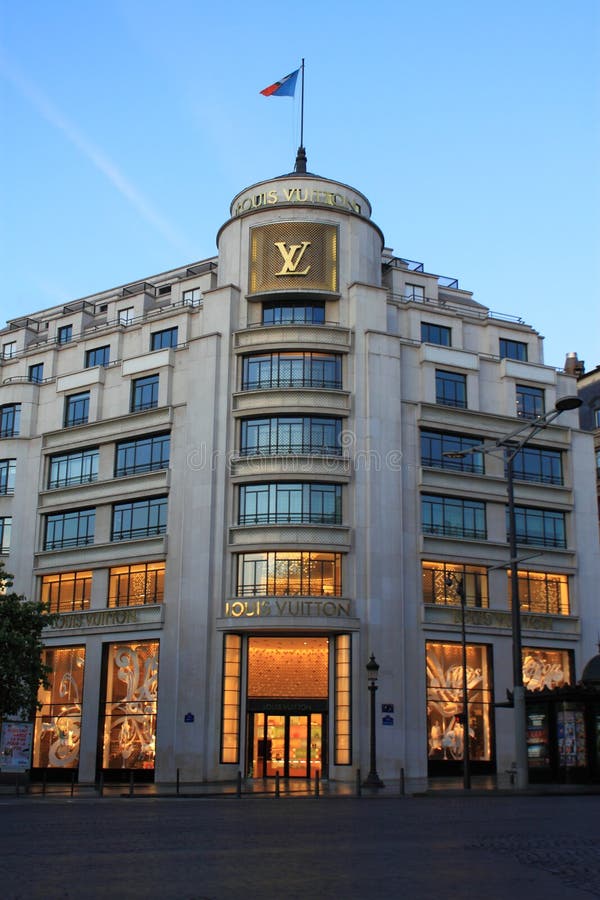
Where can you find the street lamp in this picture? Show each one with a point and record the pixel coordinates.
(511, 448)
(373, 779)
(459, 584)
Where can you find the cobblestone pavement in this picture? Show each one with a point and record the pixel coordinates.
(426, 847)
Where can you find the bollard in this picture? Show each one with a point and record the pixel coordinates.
(316, 785)
(277, 784)
(131, 783)
(358, 784)
(239, 784)
(44, 778)
(177, 784)
(72, 781)
(402, 781)
(17, 783)
(101, 785)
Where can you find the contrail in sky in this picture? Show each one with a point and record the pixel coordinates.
(53, 115)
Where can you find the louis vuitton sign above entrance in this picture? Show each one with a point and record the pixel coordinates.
(293, 256)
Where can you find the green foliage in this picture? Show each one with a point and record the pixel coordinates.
(21, 669)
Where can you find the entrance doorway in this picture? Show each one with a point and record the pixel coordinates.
(287, 744)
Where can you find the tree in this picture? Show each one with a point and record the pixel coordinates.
(21, 668)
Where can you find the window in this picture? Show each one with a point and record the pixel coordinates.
(65, 334)
(291, 434)
(165, 289)
(544, 668)
(9, 350)
(289, 573)
(126, 316)
(36, 373)
(435, 334)
(291, 313)
(144, 393)
(597, 418)
(5, 530)
(136, 585)
(144, 454)
(58, 718)
(293, 369)
(165, 338)
(139, 519)
(513, 350)
(414, 292)
(69, 529)
(78, 467)
(445, 700)
(530, 402)
(442, 584)
(99, 356)
(538, 464)
(67, 592)
(77, 408)
(453, 517)
(295, 503)
(343, 700)
(541, 527)
(192, 297)
(7, 476)
(10, 420)
(231, 698)
(435, 444)
(451, 389)
(541, 592)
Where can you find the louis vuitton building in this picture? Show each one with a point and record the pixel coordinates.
(231, 482)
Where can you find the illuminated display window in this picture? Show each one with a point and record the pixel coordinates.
(442, 583)
(130, 705)
(58, 721)
(289, 573)
(137, 584)
(544, 668)
(541, 592)
(231, 700)
(67, 591)
(343, 700)
(445, 701)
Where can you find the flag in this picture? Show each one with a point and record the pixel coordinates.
(283, 88)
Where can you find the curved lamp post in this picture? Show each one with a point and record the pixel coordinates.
(373, 779)
(510, 448)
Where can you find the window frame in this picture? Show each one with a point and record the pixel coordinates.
(134, 446)
(77, 409)
(140, 387)
(165, 338)
(446, 580)
(291, 368)
(128, 510)
(443, 505)
(530, 401)
(313, 312)
(526, 535)
(432, 333)
(9, 350)
(281, 434)
(88, 455)
(10, 420)
(123, 575)
(269, 573)
(5, 534)
(512, 349)
(548, 458)
(103, 359)
(445, 395)
(300, 498)
(64, 334)
(542, 583)
(83, 536)
(8, 469)
(474, 463)
(81, 590)
(32, 373)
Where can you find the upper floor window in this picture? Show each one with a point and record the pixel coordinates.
(542, 592)
(293, 312)
(77, 467)
(74, 528)
(137, 584)
(139, 518)
(295, 503)
(435, 445)
(530, 401)
(77, 409)
(192, 297)
(414, 292)
(444, 582)
(9, 350)
(65, 334)
(143, 454)
(513, 349)
(538, 464)
(546, 668)
(289, 573)
(165, 338)
(451, 388)
(597, 418)
(126, 316)
(541, 527)
(10, 420)
(7, 476)
(144, 393)
(436, 334)
(453, 517)
(67, 591)
(99, 356)
(5, 532)
(36, 373)
(292, 369)
(291, 434)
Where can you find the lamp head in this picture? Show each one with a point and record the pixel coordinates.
(372, 670)
(565, 403)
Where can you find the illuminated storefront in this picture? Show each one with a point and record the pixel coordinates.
(58, 721)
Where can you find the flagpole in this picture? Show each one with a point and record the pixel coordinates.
(302, 108)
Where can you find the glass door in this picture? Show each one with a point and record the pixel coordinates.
(287, 744)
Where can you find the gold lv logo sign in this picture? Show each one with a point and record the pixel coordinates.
(292, 257)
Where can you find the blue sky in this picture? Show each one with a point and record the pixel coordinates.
(473, 127)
